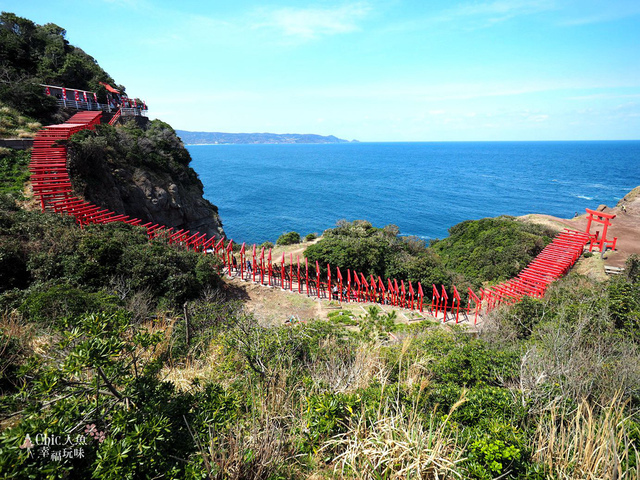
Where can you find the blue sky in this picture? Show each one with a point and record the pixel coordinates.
(426, 70)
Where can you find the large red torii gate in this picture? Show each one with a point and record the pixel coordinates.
(596, 240)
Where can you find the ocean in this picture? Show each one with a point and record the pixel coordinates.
(263, 191)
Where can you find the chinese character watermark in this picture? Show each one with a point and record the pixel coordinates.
(59, 447)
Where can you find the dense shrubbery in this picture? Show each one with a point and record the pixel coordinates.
(493, 249)
(56, 262)
(156, 146)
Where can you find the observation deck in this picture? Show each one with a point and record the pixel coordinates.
(78, 99)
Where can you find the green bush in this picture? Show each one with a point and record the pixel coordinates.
(45, 249)
(492, 248)
(624, 306)
(328, 414)
(499, 449)
(289, 238)
(310, 236)
(525, 315)
(473, 362)
(60, 302)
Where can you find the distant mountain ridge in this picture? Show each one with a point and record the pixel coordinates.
(212, 138)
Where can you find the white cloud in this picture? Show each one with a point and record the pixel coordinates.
(309, 23)
(479, 14)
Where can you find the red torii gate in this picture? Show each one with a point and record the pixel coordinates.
(596, 240)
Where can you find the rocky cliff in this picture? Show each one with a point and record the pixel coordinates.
(143, 172)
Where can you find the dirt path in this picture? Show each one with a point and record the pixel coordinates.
(275, 306)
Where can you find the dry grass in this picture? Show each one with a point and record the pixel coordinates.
(12, 124)
(588, 443)
(399, 445)
(254, 451)
(342, 372)
(578, 364)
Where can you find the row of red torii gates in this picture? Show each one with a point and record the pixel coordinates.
(52, 185)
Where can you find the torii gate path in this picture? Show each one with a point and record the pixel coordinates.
(52, 186)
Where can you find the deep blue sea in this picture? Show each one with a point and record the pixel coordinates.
(424, 188)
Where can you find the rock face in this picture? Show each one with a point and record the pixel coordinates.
(166, 192)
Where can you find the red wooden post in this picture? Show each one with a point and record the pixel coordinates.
(411, 293)
(299, 279)
(340, 284)
(291, 272)
(329, 292)
(478, 303)
(306, 268)
(381, 290)
(217, 247)
(446, 301)
(229, 254)
(255, 264)
(420, 296)
(282, 273)
(318, 278)
(356, 279)
(270, 267)
(435, 300)
(374, 289)
(365, 288)
(262, 266)
(242, 261)
(456, 299)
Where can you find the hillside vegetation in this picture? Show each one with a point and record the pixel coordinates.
(551, 390)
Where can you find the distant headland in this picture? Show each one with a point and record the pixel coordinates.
(213, 138)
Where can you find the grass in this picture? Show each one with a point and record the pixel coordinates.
(14, 171)
(398, 445)
(587, 442)
(14, 125)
